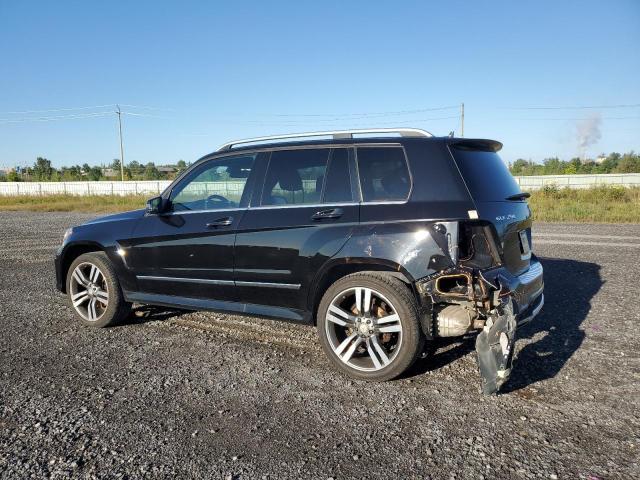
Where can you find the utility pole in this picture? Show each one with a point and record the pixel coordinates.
(462, 119)
(119, 113)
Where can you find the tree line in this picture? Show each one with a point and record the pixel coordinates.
(43, 171)
(612, 163)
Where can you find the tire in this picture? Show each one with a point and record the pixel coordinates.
(94, 291)
(378, 334)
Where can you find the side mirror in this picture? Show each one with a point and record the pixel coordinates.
(155, 205)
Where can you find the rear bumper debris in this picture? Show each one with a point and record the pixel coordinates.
(494, 347)
(493, 301)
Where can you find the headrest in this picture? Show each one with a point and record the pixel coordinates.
(394, 184)
(289, 179)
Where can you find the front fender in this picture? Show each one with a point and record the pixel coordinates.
(98, 235)
(65, 255)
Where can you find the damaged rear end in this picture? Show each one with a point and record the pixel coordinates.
(488, 280)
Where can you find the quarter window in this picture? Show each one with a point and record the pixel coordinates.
(218, 184)
(295, 177)
(384, 174)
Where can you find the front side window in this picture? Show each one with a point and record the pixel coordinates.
(295, 177)
(218, 184)
(384, 175)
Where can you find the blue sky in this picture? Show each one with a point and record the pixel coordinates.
(214, 71)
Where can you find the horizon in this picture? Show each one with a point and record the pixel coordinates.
(546, 80)
(174, 163)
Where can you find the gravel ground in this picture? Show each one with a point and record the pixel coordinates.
(210, 395)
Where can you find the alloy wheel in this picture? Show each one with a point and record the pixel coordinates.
(363, 329)
(89, 291)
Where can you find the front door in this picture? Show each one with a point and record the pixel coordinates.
(304, 215)
(190, 252)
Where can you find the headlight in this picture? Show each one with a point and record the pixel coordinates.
(67, 234)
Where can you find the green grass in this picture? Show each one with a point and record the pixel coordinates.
(594, 205)
(73, 203)
(590, 205)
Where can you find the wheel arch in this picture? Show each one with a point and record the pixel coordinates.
(73, 251)
(336, 270)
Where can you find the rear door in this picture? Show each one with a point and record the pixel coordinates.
(302, 215)
(498, 199)
(385, 183)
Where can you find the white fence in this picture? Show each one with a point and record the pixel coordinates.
(83, 188)
(155, 187)
(536, 182)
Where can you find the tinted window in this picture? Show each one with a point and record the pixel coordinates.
(216, 184)
(383, 173)
(338, 183)
(485, 174)
(295, 177)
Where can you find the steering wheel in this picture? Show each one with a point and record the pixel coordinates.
(218, 201)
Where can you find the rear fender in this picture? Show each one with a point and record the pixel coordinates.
(418, 248)
(337, 268)
(409, 250)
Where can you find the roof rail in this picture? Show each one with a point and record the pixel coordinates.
(336, 134)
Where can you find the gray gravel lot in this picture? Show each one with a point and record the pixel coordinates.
(210, 395)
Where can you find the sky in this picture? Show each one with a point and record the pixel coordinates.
(191, 75)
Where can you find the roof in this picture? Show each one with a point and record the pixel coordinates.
(334, 134)
(340, 137)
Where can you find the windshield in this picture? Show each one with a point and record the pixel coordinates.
(485, 174)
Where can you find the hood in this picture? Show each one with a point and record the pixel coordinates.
(131, 215)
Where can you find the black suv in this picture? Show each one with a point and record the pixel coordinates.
(385, 242)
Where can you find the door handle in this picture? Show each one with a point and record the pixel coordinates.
(221, 222)
(331, 213)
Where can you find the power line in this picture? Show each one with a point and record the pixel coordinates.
(292, 122)
(72, 109)
(145, 115)
(73, 116)
(334, 115)
(246, 122)
(365, 114)
(54, 118)
(57, 110)
(570, 118)
(581, 107)
(316, 121)
(146, 107)
(347, 124)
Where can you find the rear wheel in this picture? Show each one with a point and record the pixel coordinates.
(94, 291)
(369, 327)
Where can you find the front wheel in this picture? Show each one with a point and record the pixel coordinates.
(94, 291)
(369, 327)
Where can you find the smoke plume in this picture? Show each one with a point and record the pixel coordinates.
(588, 132)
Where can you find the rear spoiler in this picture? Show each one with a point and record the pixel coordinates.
(475, 144)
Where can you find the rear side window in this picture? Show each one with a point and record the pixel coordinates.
(295, 177)
(383, 173)
(338, 183)
(486, 175)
